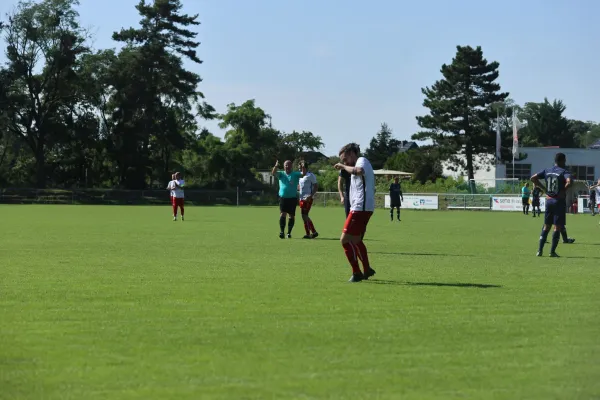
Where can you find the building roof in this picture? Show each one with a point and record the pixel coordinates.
(406, 145)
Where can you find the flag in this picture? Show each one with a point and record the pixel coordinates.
(498, 141)
(516, 125)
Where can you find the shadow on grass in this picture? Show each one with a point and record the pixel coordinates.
(338, 239)
(406, 253)
(581, 257)
(438, 284)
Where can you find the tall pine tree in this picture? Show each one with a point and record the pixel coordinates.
(461, 116)
(155, 99)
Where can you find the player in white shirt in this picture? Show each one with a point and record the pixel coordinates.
(362, 206)
(308, 188)
(177, 195)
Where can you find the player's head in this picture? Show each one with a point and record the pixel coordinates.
(287, 166)
(560, 159)
(396, 179)
(526, 184)
(177, 175)
(303, 168)
(349, 154)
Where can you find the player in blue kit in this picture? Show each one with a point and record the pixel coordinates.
(557, 181)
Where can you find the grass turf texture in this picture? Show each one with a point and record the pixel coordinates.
(123, 303)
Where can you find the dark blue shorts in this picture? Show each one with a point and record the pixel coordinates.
(556, 212)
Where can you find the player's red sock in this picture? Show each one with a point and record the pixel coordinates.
(174, 209)
(306, 228)
(181, 207)
(361, 252)
(311, 226)
(349, 249)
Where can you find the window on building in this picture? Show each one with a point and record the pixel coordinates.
(582, 172)
(521, 171)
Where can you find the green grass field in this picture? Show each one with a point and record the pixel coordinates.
(122, 303)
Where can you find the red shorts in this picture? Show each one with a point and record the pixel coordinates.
(305, 205)
(356, 223)
(177, 201)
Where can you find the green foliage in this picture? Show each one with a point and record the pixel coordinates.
(545, 125)
(424, 163)
(460, 117)
(382, 147)
(73, 116)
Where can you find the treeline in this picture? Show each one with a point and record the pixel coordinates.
(75, 116)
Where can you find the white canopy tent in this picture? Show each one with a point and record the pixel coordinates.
(391, 172)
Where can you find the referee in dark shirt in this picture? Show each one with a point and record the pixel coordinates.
(344, 179)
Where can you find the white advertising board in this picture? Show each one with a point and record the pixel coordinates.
(416, 202)
(583, 206)
(507, 203)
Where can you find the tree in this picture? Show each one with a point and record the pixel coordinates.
(545, 125)
(424, 163)
(382, 146)
(460, 114)
(44, 46)
(155, 100)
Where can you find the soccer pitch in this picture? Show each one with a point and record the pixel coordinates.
(114, 302)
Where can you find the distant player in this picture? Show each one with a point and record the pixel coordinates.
(308, 189)
(535, 201)
(177, 195)
(344, 180)
(288, 195)
(362, 205)
(594, 196)
(557, 181)
(395, 196)
(525, 193)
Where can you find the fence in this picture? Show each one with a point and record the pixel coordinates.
(239, 197)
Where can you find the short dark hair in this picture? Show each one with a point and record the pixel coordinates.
(560, 158)
(350, 147)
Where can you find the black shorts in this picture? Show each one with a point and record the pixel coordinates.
(525, 201)
(395, 204)
(535, 202)
(288, 205)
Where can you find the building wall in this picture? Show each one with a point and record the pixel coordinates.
(539, 158)
(583, 163)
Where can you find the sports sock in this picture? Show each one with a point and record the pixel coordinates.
(361, 252)
(306, 228)
(543, 238)
(391, 214)
(174, 209)
(563, 233)
(311, 226)
(182, 210)
(291, 225)
(398, 214)
(350, 252)
(555, 239)
(282, 223)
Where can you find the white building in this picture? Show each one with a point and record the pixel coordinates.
(584, 164)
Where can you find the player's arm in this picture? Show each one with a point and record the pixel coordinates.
(536, 180)
(315, 187)
(275, 170)
(401, 196)
(568, 181)
(356, 170)
(340, 191)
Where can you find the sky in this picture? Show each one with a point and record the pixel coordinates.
(341, 68)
